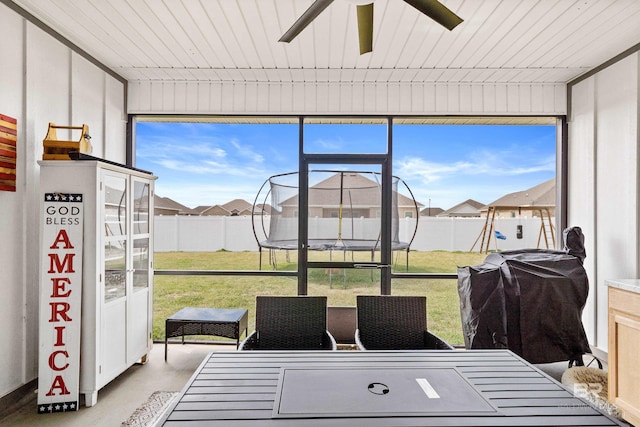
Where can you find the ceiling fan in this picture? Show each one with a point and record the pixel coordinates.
(432, 8)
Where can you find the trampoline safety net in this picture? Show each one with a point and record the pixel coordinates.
(344, 211)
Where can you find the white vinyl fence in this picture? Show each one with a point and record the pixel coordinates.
(235, 233)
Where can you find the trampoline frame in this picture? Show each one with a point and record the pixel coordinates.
(324, 244)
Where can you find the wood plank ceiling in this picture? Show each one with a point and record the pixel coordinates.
(500, 41)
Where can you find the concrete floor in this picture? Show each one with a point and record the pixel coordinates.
(120, 398)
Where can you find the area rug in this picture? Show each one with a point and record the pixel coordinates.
(151, 410)
(591, 384)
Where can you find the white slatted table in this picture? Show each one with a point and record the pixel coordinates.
(242, 388)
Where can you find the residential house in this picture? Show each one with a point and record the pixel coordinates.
(468, 208)
(199, 209)
(236, 207)
(526, 203)
(167, 206)
(431, 211)
(264, 209)
(350, 195)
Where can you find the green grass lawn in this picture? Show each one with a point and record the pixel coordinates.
(171, 293)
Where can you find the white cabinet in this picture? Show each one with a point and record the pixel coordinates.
(117, 273)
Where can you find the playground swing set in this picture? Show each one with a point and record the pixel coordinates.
(546, 233)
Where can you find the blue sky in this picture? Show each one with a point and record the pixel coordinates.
(213, 163)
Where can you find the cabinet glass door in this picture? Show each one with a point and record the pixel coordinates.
(140, 225)
(115, 232)
(140, 207)
(139, 318)
(141, 263)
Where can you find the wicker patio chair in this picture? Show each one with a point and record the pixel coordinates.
(395, 323)
(290, 323)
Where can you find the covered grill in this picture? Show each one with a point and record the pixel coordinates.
(529, 301)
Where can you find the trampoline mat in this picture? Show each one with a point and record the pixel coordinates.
(333, 245)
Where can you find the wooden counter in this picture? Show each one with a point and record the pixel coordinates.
(624, 347)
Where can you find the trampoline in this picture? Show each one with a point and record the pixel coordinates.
(344, 212)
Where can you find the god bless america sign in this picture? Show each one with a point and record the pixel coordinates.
(60, 302)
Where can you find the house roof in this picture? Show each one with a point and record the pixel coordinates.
(234, 207)
(215, 210)
(237, 206)
(358, 191)
(469, 207)
(165, 203)
(265, 208)
(500, 42)
(201, 208)
(432, 211)
(543, 194)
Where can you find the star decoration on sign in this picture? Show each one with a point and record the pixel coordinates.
(57, 407)
(63, 197)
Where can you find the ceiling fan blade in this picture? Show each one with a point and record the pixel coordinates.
(365, 27)
(437, 11)
(305, 19)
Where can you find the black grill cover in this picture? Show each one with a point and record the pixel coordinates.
(529, 301)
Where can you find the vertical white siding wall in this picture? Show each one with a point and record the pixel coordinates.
(581, 183)
(169, 97)
(13, 223)
(41, 81)
(603, 179)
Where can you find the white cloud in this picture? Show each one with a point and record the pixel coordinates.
(430, 172)
(328, 145)
(482, 175)
(247, 152)
(487, 165)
